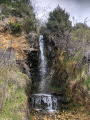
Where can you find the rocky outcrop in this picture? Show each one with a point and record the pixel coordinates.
(58, 73)
(32, 38)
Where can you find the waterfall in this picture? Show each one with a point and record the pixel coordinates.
(43, 64)
(43, 101)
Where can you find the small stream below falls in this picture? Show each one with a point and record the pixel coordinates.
(43, 100)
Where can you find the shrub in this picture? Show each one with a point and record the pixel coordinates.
(58, 21)
(16, 12)
(28, 25)
(15, 27)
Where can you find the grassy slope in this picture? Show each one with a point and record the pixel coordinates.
(15, 107)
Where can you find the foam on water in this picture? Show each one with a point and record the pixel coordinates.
(44, 102)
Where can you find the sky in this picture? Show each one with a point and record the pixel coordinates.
(79, 9)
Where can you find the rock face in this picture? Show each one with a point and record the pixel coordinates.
(33, 40)
(33, 63)
(58, 72)
(33, 57)
(59, 76)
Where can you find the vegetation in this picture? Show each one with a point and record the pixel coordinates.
(16, 81)
(87, 83)
(22, 9)
(9, 1)
(28, 25)
(58, 21)
(14, 106)
(14, 17)
(70, 67)
(14, 27)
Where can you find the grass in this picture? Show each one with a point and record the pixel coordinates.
(14, 105)
(87, 83)
(10, 84)
(77, 56)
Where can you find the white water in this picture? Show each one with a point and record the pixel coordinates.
(43, 101)
(43, 64)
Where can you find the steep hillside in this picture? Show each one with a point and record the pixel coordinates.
(18, 38)
(68, 52)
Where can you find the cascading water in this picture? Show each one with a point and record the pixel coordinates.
(43, 64)
(43, 101)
